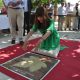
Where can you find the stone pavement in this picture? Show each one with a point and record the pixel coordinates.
(69, 35)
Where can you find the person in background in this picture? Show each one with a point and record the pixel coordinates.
(27, 13)
(16, 16)
(49, 44)
(50, 9)
(68, 16)
(76, 15)
(61, 16)
(79, 16)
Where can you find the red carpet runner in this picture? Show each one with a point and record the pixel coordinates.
(67, 69)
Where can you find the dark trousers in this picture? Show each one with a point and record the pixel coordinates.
(79, 23)
(26, 22)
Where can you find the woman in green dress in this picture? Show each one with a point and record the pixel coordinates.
(49, 44)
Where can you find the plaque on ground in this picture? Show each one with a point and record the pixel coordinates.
(32, 66)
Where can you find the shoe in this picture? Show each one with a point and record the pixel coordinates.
(13, 42)
(21, 42)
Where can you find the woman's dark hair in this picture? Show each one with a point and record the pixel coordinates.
(41, 12)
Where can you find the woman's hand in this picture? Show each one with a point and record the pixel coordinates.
(37, 45)
(25, 45)
(26, 42)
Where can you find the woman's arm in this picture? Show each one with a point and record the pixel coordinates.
(26, 40)
(45, 36)
(29, 35)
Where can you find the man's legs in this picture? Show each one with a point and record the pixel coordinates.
(75, 23)
(20, 23)
(26, 22)
(12, 20)
(59, 23)
(79, 23)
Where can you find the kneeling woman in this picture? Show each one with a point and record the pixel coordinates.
(49, 44)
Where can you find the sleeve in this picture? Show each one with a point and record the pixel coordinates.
(34, 28)
(53, 30)
(55, 34)
(51, 27)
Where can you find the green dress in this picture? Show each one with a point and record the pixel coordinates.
(53, 41)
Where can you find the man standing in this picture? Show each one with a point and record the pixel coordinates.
(16, 15)
(27, 12)
(68, 16)
(61, 16)
(76, 17)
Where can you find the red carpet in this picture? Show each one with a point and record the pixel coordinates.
(67, 69)
(14, 51)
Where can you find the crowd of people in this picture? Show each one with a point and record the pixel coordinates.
(68, 16)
